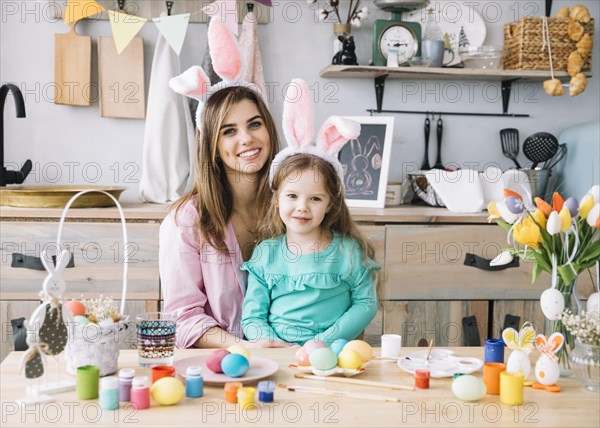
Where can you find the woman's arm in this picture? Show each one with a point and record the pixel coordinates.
(216, 337)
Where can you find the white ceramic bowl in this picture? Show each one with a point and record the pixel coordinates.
(486, 57)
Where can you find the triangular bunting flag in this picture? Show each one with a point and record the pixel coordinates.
(173, 28)
(266, 2)
(79, 9)
(124, 28)
(226, 11)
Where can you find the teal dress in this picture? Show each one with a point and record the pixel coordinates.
(326, 295)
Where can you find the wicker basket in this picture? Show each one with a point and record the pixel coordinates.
(524, 40)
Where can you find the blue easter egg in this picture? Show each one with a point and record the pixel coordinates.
(235, 365)
(514, 205)
(337, 345)
(572, 205)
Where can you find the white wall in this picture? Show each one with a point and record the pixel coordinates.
(67, 143)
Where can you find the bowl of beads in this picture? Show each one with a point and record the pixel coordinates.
(340, 358)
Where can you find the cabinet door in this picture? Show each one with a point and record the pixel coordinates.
(98, 255)
(526, 310)
(13, 309)
(438, 320)
(427, 262)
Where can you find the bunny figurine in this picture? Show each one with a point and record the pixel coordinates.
(547, 370)
(521, 344)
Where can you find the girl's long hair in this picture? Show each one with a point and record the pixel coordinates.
(338, 217)
(211, 186)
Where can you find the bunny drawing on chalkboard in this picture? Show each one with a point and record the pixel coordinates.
(364, 159)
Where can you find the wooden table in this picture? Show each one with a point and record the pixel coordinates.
(574, 406)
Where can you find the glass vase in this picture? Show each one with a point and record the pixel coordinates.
(585, 363)
(557, 326)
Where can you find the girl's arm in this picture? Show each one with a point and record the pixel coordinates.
(255, 310)
(361, 312)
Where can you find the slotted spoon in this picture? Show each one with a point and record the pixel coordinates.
(510, 144)
(540, 147)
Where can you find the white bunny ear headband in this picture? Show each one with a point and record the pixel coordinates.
(298, 128)
(227, 63)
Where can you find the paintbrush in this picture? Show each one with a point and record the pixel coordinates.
(337, 393)
(355, 381)
(429, 351)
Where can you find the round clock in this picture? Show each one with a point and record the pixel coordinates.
(401, 37)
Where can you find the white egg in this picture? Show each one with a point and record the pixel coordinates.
(518, 360)
(552, 303)
(547, 371)
(593, 303)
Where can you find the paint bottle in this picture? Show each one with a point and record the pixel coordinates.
(109, 393)
(265, 391)
(125, 379)
(194, 383)
(245, 397)
(231, 389)
(422, 379)
(140, 392)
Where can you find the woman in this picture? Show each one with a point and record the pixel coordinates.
(211, 231)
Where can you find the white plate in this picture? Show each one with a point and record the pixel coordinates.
(441, 364)
(453, 16)
(331, 372)
(259, 369)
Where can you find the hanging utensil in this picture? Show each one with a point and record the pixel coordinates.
(425, 165)
(558, 156)
(509, 138)
(540, 147)
(440, 129)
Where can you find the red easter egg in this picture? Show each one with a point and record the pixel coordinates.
(302, 357)
(75, 307)
(312, 344)
(213, 361)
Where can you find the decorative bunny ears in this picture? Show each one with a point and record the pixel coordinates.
(227, 63)
(298, 128)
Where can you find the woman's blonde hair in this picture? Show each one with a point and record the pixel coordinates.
(337, 218)
(211, 187)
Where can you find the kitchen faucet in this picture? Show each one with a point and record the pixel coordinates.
(11, 177)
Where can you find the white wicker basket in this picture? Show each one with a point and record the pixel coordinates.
(92, 344)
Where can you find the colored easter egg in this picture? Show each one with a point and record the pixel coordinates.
(213, 361)
(313, 344)
(75, 307)
(239, 349)
(468, 388)
(349, 359)
(337, 346)
(323, 359)
(81, 320)
(235, 365)
(302, 357)
(514, 204)
(572, 205)
(167, 391)
(363, 348)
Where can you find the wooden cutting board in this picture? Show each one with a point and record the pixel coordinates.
(72, 68)
(121, 79)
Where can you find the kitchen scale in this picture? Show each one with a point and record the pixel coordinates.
(403, 37)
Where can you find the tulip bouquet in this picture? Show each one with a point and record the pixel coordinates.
(560, 238)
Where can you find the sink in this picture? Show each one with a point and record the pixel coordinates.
(57, 196)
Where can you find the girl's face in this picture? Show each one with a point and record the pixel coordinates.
(244, 143)
(303, 202)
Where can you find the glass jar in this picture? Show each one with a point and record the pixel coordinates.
(585, 363)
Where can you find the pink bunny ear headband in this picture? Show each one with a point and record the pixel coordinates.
(227, 63)
(298, 128)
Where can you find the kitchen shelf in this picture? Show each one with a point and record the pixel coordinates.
(380, 74)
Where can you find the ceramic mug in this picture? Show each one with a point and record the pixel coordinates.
(391, 344)
(393, 194)
(435, 50)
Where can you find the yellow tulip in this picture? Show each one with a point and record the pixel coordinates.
(586, 205)
(527, 233)
(492, 211)
(554, 224)
(565, 218)
(539, 217)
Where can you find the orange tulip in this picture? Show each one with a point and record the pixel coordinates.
(543, 206)
(508, 192)
(557, 202)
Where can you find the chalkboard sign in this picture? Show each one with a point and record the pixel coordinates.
(366, 162)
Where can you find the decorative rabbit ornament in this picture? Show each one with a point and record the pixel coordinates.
(227, 63)
(521, 344)
(298, 128)
(547, 370)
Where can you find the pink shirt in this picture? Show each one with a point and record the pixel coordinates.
(205, 288)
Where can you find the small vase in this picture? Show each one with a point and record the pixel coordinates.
(343, 45)
(585, 363)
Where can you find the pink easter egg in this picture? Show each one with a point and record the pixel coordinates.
(213, 361)
(75, 307)
(313, 344)
(302, 357)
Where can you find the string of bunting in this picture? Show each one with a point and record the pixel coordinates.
(125, 26)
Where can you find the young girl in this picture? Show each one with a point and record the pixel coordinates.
(316, 277)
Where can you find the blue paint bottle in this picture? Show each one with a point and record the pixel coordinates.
(194, 383)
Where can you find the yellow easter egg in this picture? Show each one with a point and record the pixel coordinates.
(239, 349)
(167, 391)
(349, 359)
(362, 348)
